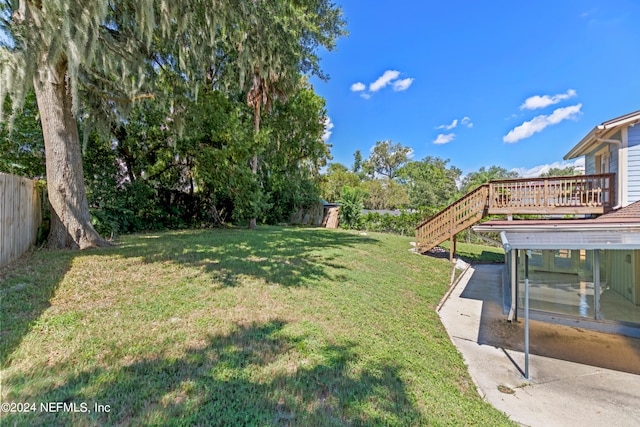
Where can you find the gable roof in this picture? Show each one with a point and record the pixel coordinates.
(600, 133)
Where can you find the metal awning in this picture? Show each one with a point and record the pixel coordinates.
(552, 240)
(586, 239)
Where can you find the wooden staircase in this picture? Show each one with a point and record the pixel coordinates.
(566, 195)
(453, 219)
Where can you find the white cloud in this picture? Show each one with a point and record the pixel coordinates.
(537, 170)
(389, 77)
(328, 125)
(384, 80)
(453, 125)
(537, 101)
(539, 123)
(401, 85)
(358, 87)
(466, 121)
(444, 139)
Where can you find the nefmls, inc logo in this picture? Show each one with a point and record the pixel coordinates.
(64, 407)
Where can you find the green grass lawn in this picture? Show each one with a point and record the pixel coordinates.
(278, 326)
(476, 253)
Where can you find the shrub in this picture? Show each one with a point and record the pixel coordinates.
(404, 223)
(351, 206)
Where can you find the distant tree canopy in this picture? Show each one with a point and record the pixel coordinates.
(475, 179)
(384, 194)
(566, 171)
(386, 159)
(430, 184)
(357, 162)
(425, 185)
(335, 178)
(22, 148)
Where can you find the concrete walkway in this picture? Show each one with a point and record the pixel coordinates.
(561, 392)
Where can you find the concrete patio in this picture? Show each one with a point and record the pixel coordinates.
(578, 377)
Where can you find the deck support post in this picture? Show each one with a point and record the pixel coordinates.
(452, 247)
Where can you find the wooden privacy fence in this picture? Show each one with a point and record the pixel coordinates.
(20, 216)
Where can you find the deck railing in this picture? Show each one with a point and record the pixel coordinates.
(453, 219)
(581, 194)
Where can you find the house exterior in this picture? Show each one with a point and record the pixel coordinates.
(614, 147)
(583, 271)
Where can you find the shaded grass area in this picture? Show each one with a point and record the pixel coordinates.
(473, 253)
(279, 326)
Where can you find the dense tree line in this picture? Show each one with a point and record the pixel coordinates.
(149, 172)
(389, 179)
(90, 64)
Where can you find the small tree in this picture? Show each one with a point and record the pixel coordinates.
(387, 158)
(357, 162)
(351, 206)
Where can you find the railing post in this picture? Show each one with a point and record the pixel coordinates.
(546, 192)
(491, 198)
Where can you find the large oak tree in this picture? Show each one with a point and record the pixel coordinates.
(88, 59)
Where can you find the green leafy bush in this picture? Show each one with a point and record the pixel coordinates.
(404, 223)
(351, 206)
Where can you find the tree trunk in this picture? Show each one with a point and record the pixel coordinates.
(70, 219)
(254, 161)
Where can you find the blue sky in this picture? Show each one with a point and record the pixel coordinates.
(509, 83)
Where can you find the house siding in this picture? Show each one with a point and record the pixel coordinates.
(633, 161)
(590, 164)
(590, 158)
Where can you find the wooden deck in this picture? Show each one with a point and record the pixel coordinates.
(582, 194)
(575, 195)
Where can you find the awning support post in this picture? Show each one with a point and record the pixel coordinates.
(596, 284)
(513, 266)
(526, 315)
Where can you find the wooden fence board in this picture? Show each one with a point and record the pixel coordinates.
(20, 216)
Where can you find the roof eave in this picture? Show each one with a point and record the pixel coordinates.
(620, 121)
(581, 147)
(600, 131)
